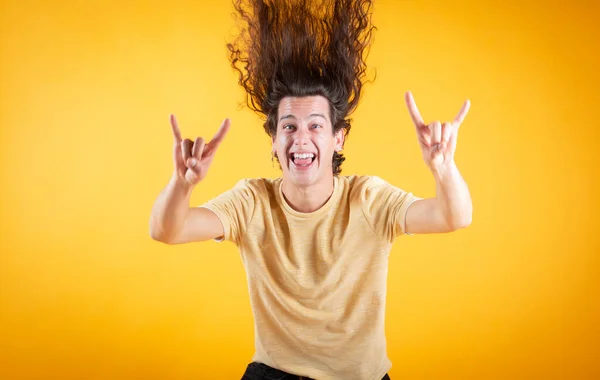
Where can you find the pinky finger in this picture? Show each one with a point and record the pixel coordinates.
(462, 113)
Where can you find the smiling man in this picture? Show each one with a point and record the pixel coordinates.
(305, 138)
(314, 244)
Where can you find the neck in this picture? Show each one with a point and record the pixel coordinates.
(309, 198)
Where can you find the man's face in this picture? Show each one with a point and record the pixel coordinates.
(305, 142)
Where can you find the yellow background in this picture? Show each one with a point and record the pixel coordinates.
(85, 146)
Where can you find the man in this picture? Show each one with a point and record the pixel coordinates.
(314, 244)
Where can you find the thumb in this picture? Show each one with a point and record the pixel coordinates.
(191, 163)
(193, 175)
(437, 151)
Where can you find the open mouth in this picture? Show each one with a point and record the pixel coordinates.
(302, 160)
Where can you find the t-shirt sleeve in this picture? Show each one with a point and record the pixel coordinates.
(234, 208)
(385, 207)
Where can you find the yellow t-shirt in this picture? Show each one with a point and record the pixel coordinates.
(317, 281)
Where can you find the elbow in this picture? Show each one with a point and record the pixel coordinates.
(162, 238)
(463, 224)
(158, 234)
(459, 223)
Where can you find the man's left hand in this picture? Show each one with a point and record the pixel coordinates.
(437, 140)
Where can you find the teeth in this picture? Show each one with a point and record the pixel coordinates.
(303, 155)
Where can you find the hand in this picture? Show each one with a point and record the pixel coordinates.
(437, 140)
(192, 159)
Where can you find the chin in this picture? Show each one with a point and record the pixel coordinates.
(302, 180)
(307, 176)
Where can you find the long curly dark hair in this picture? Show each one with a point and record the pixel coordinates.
(302, 48)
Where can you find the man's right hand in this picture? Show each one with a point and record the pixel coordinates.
(192, 159)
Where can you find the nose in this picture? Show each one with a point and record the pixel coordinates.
(301, 137)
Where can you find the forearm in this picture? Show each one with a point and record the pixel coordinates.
(454, 198)
(170, 210)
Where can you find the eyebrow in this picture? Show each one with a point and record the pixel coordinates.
(290, 116)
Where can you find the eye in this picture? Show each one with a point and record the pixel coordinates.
(317, 126)
(288, 126)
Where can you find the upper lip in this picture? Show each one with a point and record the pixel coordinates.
(300, 152)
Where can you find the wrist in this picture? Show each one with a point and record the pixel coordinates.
(181, 185)
(445, 170)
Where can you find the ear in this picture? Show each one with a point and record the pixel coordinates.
(339, 139)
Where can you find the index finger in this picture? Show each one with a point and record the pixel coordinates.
(220, 135)
(413, 110)
(175, 128)
(462, 113)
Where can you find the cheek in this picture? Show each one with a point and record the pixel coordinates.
(281, 145)
(325, 144)
(278, 142)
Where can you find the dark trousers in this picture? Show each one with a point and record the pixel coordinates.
(260, 371)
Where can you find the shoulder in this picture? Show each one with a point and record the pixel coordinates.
(371, 190)
(358, 184)
(258, 187)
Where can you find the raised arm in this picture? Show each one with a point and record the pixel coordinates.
(451, 208)
(172, 220)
